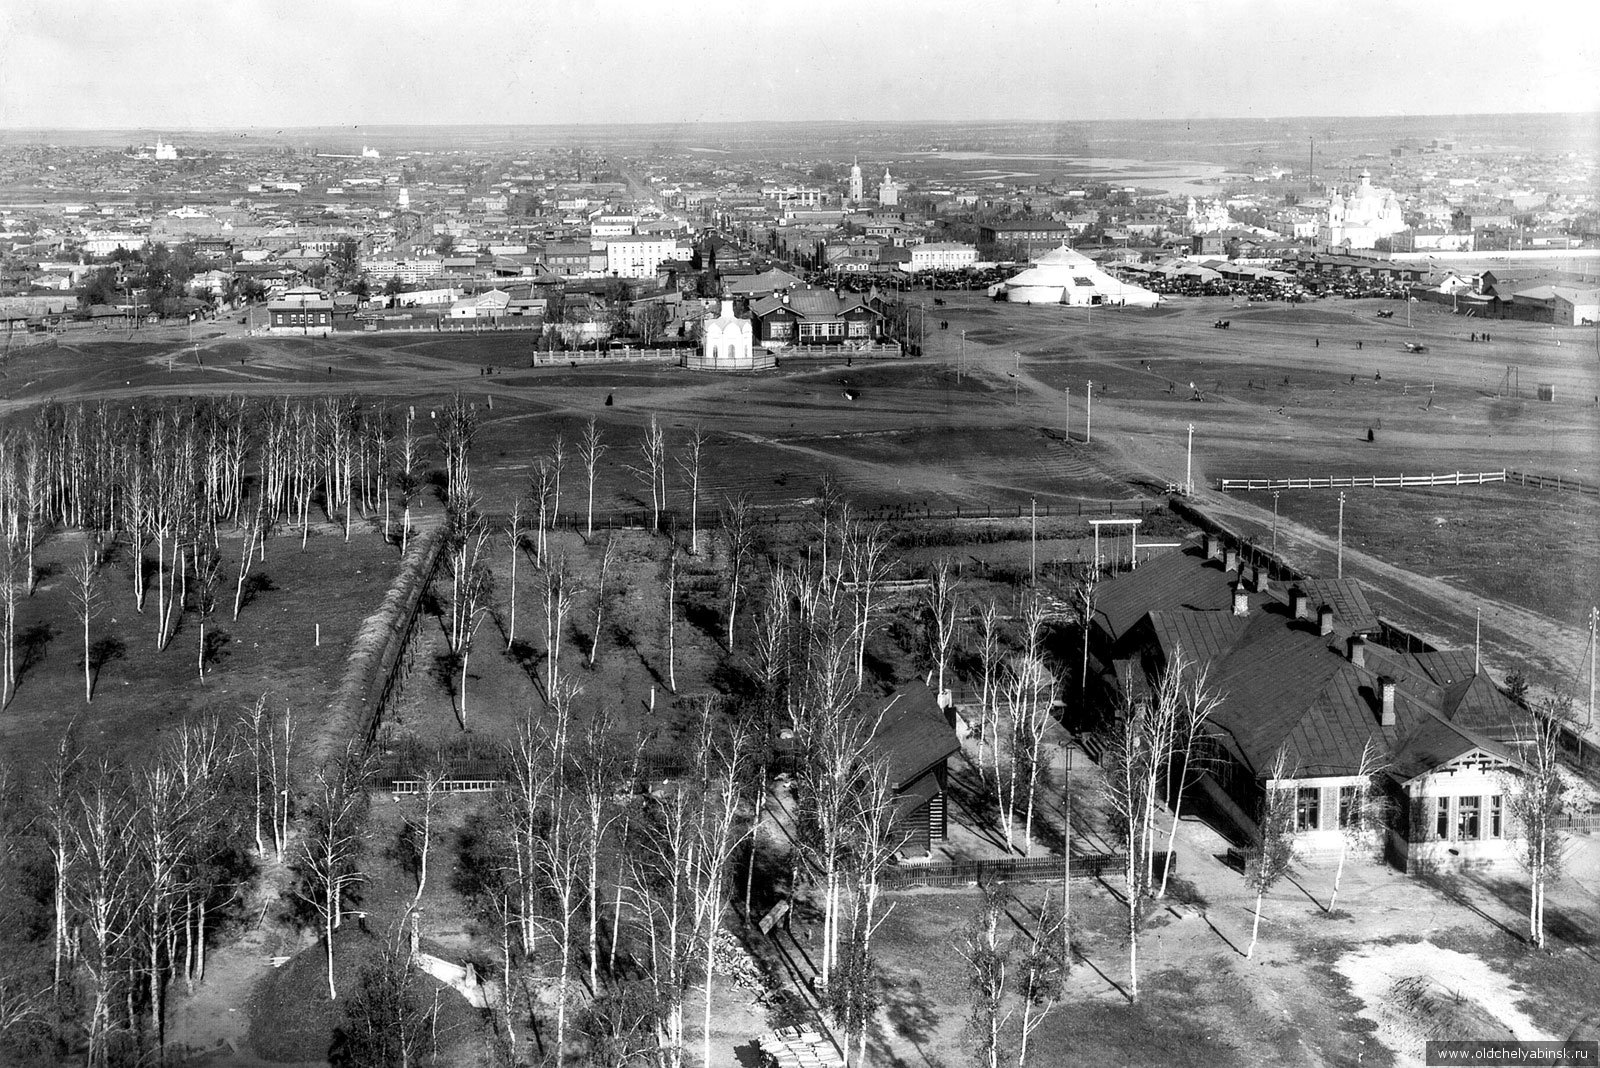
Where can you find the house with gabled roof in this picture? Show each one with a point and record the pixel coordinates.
(811, 315)
(1303, 671)
(916, 738)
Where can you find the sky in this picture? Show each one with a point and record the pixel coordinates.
(183, 64)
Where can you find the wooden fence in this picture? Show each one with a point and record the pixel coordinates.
(710, 518)
(582, 357)
(1030, 869)
(1458, 478)
(1555, 482)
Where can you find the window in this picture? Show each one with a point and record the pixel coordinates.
(860, 329)
(1349, 806)
(1308, 808)
(1467, 824)
(1497, 804)
(780, 328)
(1441, 821)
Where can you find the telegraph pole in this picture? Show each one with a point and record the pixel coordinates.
(1069, 415)
(1594, 627)
(1033, 541)
(1188, 468)
(1339, 560)
(1088, 412)
(1274, 521)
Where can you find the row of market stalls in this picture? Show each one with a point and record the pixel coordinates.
(1179, 269)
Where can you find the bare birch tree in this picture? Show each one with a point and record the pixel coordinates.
(331, 850)
(1269, 857)
(608, 557)
(670, 623)
(419, 829)
(1361, 812)
(653, 453)
(738, 528)
(1536, 800)
(590, 451)
(988, 959)
(10, 595)
(514, 533)
(85, 575)
(689, 461)
(1041, 969)
(941, 607)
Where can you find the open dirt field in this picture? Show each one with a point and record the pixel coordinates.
(1287, 391)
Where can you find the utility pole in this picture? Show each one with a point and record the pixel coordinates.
(1594, 627)
(1088, 412)
(1339, 560)
(963, 356)
(1477, 637)
(1188, 467)
(1033, 540)
(1069, 415)
(1066, 854)
(1274, 521)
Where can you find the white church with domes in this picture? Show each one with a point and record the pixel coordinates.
(1362, 218)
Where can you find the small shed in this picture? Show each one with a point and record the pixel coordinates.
(918, 738)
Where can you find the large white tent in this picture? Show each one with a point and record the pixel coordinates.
(1063, 276)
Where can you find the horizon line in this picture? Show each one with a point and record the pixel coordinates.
(1595, 112)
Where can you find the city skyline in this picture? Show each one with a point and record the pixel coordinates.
(78, 65)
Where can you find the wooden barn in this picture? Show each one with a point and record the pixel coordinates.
(918, 738)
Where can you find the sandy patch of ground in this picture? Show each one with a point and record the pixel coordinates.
(1416, 992)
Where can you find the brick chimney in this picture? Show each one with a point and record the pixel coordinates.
(1386, 688)
(1358, 650)
(1230, 560)
(1325, 620)
(1263, 579)
(1299, 603)
(1241, 600)
(1213, 546)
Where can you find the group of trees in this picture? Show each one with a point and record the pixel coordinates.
(125, 868)
(608, 895)
(161, 274)
(168, 480)
(1026, 971)
(1151, 758)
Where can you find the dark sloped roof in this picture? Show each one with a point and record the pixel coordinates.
(914, 734)
(1434, 741)
(1170, 581)
(1203, 635)
(1281, 684)
(765, 282)
(1351, 612)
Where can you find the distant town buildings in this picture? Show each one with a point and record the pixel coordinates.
(941, 256)
(304, 311)
(639, 256)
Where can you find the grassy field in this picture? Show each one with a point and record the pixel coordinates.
(141, 693)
